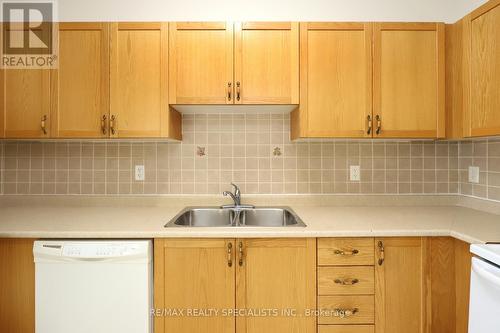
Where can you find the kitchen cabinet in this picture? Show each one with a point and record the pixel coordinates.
(335, 80)
(276, 274)
(401, 278)
(240, 63)
(266, 63)
(139, 82)
(225, 274)
(80, 85)
(201, 63)
(408, 80)
(17, 286)
(482, 71)
(26, 103)
(194, 274)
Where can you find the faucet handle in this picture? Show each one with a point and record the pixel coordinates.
(237, 191)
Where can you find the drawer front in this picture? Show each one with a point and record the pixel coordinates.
(346, 251)
(339, 280)
(334, 310)
(346, 329)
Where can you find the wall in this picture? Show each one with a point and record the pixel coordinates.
(238, 148)
(311, 10)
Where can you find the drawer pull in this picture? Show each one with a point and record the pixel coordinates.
(346, 282)
(345, 313)
(230, 254)
(346, 253)
(382, 253)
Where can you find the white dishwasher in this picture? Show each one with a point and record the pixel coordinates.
(93, 286)
(484, 309)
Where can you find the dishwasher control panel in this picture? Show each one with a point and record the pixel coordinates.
(99, 250)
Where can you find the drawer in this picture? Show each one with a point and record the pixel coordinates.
(346, 251)
(346, 329)
(340, 310)
(342, 280)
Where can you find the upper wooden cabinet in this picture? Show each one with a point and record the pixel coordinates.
(408, 80)
(266, 67)
(482, 71)
(80, 86)
(241, 63)
(335, 80)
(201, 63)
(139, 82)
(401, 289)
(26, 103)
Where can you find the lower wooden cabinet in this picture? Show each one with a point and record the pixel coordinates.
(17, 286)
(247, 276)
(401, 278)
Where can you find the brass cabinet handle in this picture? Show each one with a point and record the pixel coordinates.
(238, 92)
(103, 124)
(229, 90)
(230, 254)
(344, 313)
(346, 253)
(43, 124)
(370, 125)
(112, 124)
(346, 282)
(379, 124)
(382, 253)
(240, 250)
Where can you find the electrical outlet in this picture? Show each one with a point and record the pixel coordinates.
(139, 172)
(473, 174)
(355, 173)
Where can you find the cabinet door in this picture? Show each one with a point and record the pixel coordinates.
(139, 66)
(194, 274)
(409, 80)
(336, 79)
(266, 63)
(201, 63)
(401, 285)
(276, 274)
(482, 41)
(80, 86)
(17, 286)
(26, 103)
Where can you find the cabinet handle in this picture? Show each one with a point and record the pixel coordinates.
(43, 124)
(382, 253)
(230, 254)
(112, 124)
(370, 125)
(346, 282)
(229, 90)
(379, 124)
(346, 253)
(344, 313)
(240, 250)
(103, 124)
(238, 92)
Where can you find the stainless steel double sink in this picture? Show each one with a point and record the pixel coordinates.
(227, 217)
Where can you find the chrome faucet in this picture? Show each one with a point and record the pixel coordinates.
(237, 208)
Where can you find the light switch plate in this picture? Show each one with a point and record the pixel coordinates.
(139, 172)
(473, 174)
(355, 173)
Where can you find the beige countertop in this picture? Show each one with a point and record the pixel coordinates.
(467, 219)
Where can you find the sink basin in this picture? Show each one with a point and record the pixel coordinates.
(219, 217)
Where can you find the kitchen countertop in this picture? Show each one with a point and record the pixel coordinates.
(325, 216)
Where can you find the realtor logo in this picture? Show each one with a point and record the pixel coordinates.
(28, 35)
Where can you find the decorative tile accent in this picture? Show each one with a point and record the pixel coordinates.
(254, 151)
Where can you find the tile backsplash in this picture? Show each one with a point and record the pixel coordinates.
(254, 151)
